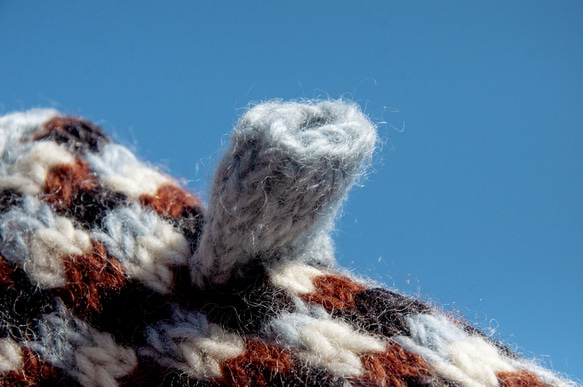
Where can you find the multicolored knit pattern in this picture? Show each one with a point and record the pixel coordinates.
(112, 274)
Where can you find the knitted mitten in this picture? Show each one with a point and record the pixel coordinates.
(112, 274)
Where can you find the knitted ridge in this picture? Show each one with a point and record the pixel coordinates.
(112, 274)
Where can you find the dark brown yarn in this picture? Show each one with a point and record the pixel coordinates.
(78, 134)
(90, 208)
(6, 270)
(243, 305)
(303, 375)
(148, 373)
(9, 199)
(21, 303)
(375, 310)
(380, 311)
(190, 222)
(74, 191)
(128, 314)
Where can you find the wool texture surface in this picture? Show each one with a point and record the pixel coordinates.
(113, 274)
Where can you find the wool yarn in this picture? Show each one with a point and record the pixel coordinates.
(286, 171)
(112, 274)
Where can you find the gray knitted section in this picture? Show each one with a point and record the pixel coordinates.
(280, 183)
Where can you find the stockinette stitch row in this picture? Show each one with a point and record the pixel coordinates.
(283, 177)
(111, 274)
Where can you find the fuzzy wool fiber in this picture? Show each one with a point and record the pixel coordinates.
(112, 274)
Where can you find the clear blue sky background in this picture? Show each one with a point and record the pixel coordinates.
(476, 196)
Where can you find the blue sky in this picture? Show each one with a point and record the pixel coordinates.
(474, 200)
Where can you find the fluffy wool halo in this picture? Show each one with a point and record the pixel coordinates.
(282, 179)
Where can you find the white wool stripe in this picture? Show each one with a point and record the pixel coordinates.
(37, 240)
(29, 171)
(14, 130)
(121, 171)
(280, 183)
(191, 345)
(296, 278)
(90, 356)
(10, 356)
(458, 356)
(25, 122)
(546, 376)
(146, 245)
(330, 344)
(16, 126)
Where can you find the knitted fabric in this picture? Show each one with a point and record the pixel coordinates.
(112, 274)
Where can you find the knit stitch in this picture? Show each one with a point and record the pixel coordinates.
(112, 274)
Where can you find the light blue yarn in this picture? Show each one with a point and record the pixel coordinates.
(430, 336)
(165, 337)
(286, 329)
(122, 228)
(19, 225)
(112, 160)
(60, 334)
